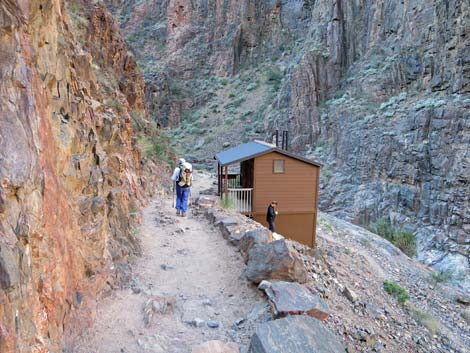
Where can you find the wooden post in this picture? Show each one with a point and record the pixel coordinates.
(226, 181)
(287, 140)
(218, 178)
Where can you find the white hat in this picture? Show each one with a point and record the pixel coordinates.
(187, 165)
(181, 161)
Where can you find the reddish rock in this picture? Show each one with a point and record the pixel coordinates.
(67, 150)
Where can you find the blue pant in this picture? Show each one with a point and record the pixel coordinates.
(182, 197)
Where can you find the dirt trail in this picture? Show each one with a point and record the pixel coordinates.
(185, 258)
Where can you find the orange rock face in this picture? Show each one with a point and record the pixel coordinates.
(70, 173)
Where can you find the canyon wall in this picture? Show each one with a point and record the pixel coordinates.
(376, 89)
(71, 177)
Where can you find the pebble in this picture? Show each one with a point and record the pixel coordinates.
(350, 294)
(196, 322)
(264, 285)
(212, 324)
(239, 321)
(207, 302)
(165, 267)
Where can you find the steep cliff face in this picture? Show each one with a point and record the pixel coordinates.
(387, 108)
(395, 132)
(70, 175)
(377, 89)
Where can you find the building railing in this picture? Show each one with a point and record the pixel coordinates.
(240, 199)
(232, 182)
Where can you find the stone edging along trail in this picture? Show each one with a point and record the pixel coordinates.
(190, 288)
(187, 289)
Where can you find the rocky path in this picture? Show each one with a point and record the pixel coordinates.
(187, 289)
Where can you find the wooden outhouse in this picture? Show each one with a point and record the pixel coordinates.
(254, 174)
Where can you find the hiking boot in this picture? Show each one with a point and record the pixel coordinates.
(178, 212)
(183, 214)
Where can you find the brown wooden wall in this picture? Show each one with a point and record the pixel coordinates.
(296, 191)
(299, 227)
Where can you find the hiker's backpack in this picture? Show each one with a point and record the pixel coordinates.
(186, 175)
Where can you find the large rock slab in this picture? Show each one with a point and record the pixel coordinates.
(254, 237)
(294, 299)
(216, 347)
(294, 334)
(275, 260)
(226, 221)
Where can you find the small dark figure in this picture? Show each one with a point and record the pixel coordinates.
(271, 216)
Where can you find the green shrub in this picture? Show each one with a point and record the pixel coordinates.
(402, 239)
(384, 228)
(157, 146)
(209, 139)
(227, 202)
(394, 289)
(78, 17)
(366, 243)
(425, 319)
(442, 276)
(137, 122)
(235, 103)
(406, 242)
(114, 103)
(274, 78)
(176, 91)
(252, 86)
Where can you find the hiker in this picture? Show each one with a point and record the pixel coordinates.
(177, 171)
(183, 177)
(271, 216)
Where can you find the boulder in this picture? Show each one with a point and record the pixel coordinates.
(294, 334)
(294, 299)
(216, 347)
(252, 238)
(275, 260)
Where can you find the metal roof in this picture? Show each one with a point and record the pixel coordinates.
(254, 149)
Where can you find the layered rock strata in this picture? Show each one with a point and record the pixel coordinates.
(377, 89)
(71, 178)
